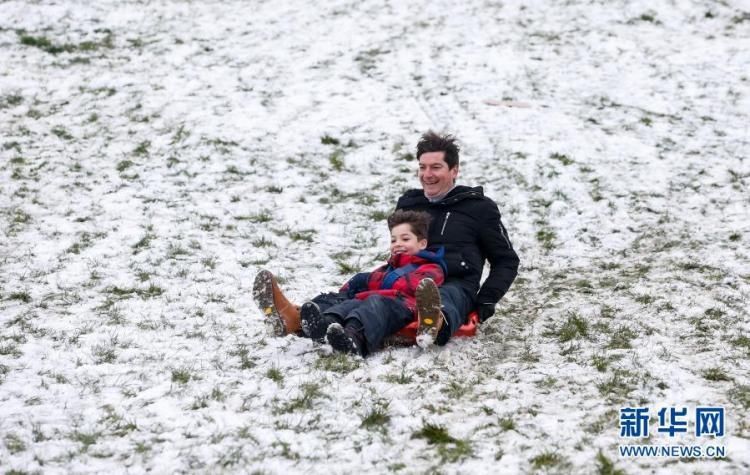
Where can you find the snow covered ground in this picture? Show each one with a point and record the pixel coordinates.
(154, 155)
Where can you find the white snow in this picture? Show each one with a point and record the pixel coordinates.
(172, 149)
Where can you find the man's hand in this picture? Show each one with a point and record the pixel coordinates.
(485, 311)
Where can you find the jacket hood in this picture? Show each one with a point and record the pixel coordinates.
(425, 256)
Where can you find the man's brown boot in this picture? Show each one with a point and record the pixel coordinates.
(282, 316)
(429, 313)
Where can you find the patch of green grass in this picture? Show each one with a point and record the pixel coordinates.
(378, 215)
(305, 235)
(175, 250)
(309, 392)
(377, 419)
(142, 148)
(181, 375)
(547, 460)
(104, 354)
(715, 313)
(336, 159)
(124, 165)
(546, 238)
(338, 363)
(143, 243)
(528, 354)
(434, 434)
(450, 449)
(621, 337)
(262, 242)
(62, 132)
(507, 423)
(715, 374)
(600, 362)
(275, 375)
(401, 378)
(742, 342)
(180, 134)
(10, 100)
(604, 466)
(45, 44)
(243, 353)
(562, 158)
(456, 390)
(645, 299)
(618, 385)
(740, 394)
(574, 327)
(151, 291)
(23, 296)
(263, 216)
(87, 439)
(14, 444)
(344, 268)
(328, 140)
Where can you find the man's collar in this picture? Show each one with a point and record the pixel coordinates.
(438, 198)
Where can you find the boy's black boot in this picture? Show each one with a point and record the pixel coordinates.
(314, 324)
(346, 339)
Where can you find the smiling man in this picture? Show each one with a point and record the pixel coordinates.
(468, 225)
(464, 221)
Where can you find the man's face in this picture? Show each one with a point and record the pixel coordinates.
(434, 175)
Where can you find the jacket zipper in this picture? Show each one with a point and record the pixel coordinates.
(447, 215)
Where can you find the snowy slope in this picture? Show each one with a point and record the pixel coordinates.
(155, 155)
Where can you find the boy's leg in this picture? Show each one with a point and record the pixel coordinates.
(329, 299)
(282, 316)
(315, 322)
(377, 318)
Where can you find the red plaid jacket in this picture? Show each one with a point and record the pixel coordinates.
(399, 277)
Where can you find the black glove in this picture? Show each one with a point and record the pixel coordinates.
(485, 311)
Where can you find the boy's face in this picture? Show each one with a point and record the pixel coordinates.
(404, 241)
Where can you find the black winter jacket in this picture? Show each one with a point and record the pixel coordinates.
(468, 224)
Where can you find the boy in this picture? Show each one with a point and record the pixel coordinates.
(383, 301)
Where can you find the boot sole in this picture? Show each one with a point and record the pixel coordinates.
(313, 322)
(263, 295)
(429, 312)
(339, 340)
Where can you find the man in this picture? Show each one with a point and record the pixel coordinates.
(468, 225)
(464, 221)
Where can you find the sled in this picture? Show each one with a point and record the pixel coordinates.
(408, 334)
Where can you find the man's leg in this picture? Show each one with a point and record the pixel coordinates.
(441, 311)
(456, 304)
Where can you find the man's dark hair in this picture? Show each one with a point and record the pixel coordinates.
(419, 221)
(432, 142)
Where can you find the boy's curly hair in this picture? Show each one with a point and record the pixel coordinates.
(419, 221)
